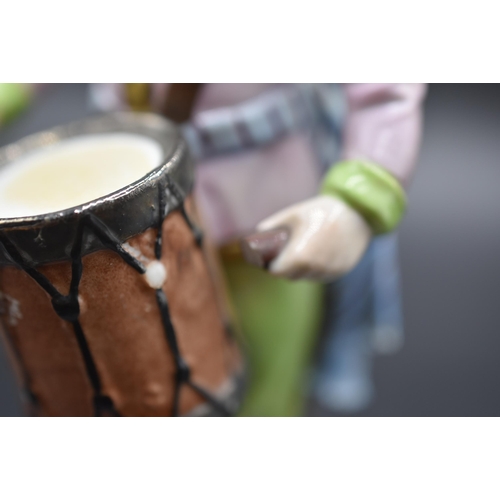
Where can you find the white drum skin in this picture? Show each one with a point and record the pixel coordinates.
(75, 171)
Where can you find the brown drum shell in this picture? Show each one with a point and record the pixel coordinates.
(123, 327)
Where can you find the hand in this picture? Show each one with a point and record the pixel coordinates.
(327, 239)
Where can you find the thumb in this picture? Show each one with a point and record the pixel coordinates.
(286, 217)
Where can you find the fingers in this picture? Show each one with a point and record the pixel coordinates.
(284, 218)
(286, 263)
(286, 266)
(306, 222)
(290, 263)
(292, 267)
(327, 239)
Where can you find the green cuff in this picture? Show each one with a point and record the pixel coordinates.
(14, 98)
(370, 190)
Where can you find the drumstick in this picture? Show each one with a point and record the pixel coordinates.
(178, 102)
(261, 248)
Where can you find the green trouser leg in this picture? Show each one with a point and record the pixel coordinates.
(280, 321)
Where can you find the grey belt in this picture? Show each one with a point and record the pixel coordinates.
(272, 115)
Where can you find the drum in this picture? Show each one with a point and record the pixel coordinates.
(110, 308)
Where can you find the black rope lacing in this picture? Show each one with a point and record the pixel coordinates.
(67, 307)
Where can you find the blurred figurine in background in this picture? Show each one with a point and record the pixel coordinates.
(326, 165)
(14, 99)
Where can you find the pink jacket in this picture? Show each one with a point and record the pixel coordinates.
(236, 191)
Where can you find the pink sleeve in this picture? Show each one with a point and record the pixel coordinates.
(384, 125)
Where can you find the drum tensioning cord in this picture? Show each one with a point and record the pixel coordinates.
(67, 307)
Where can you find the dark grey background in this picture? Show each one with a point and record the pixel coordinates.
(450, 252)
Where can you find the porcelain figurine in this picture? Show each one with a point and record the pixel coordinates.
(330, 164)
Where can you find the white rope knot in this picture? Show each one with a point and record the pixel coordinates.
(156, 274)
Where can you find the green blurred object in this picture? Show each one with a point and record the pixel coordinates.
(14, 99)
(280, 320)
(370, 190)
